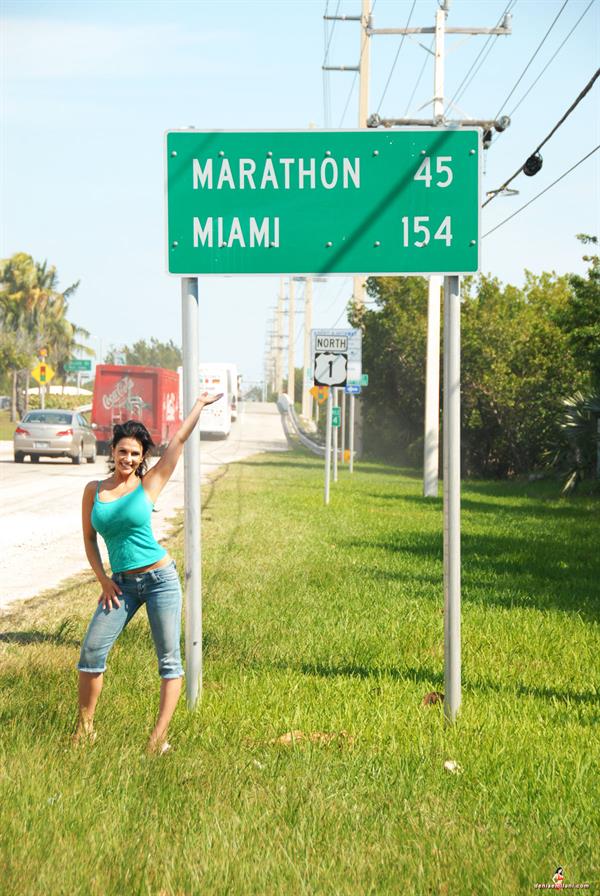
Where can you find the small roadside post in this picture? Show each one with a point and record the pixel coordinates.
(328, 444)
(352, 390)
(343, 428)
(335, 422)
(42, 374)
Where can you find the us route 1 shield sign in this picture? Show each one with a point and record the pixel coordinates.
(337, 357)
(319, 202)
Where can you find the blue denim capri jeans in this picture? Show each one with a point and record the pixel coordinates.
(160, 590)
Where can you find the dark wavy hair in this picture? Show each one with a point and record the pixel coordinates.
(132, 429)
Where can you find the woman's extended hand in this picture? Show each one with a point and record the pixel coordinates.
(205, 398)
(110, 590)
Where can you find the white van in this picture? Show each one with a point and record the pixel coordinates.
(216, 418)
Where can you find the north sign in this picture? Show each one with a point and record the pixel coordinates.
(319, 202)
(337, 357)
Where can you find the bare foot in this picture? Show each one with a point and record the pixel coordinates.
(158, 748)
(84, 737)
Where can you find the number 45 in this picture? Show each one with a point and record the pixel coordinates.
(424, 172)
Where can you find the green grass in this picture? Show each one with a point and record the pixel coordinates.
(7, 428)
(327, 621)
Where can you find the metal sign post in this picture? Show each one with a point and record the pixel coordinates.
(328, 427)
(335, 440)
(351, 435)
(343, 446)
(452, 652)
(192, 497)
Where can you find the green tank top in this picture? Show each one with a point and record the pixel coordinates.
(124, 524)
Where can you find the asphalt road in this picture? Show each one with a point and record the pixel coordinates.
(40, 504)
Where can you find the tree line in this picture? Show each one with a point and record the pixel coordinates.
(33, 319)
(530, 371)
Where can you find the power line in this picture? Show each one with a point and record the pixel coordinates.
(418, 81)
(339, 319)
(338, 294)
(573, 105)
(335, 20)
(552, 58)
(349, 97)
(591, 153)
(540, 45)
(327, 44)
(460, 89)
(387, 83)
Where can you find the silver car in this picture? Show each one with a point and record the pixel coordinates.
(54, 433)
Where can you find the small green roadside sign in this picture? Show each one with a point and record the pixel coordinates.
(364, 379)
(78, 364)
(336, 416)
(320, 202)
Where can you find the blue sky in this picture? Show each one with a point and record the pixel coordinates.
(89, 88)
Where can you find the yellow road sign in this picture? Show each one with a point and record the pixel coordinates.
(42, 374)
(321, 393)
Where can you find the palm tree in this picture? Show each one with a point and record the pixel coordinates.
(579, 453)
(33, 316)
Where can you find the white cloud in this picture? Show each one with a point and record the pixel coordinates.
(49, 49)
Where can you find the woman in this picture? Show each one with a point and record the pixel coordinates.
(119, 508)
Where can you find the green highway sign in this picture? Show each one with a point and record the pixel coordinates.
(323, 202)
(336, 416)
(364, 379)
(78, 364)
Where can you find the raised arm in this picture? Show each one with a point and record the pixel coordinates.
(156, 478)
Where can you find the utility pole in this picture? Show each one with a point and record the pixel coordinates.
(358, 291)
(307, 398)
(358, 281)
(431, 460)
(451, 448)
(279, 342)
(431, 448)
(291, 340)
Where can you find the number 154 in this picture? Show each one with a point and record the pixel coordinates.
(419, 227)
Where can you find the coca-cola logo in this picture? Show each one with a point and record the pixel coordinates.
(118, 396)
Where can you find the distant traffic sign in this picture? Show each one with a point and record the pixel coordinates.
(352, 390)
(337, 357)
(364, 380)
(78, 364)
(42, 373)
(308, 202)
(320, 393)
(331, 369)
(336, 416)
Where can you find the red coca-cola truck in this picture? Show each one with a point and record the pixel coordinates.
(127, 392)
